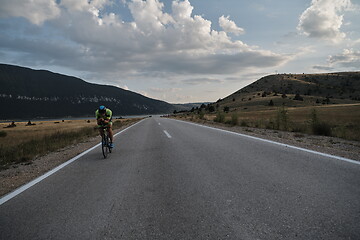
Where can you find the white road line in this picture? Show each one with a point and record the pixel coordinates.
(51, 172)
(167, 134)
(277, 143)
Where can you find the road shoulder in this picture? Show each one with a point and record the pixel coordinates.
(328, 145)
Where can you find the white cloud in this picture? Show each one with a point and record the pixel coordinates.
(323, 68)
(323, 19)
(72, 5)
(36, 11)
(349, 58)
(149, 16)
(230, 26)
(81, 5)
(154, 43)
(182, 10)
(165, 90)
(204, 80)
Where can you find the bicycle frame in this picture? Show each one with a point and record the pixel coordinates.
(105, 142)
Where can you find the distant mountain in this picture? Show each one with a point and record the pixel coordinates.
(188, 106)
(296, 90)
(28, 94)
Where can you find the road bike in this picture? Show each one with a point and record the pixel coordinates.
(105, 141)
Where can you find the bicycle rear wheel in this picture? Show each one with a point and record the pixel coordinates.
(109, 145)
(105, 145)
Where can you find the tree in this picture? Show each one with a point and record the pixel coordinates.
(326, 101)
(282, 119)
(298, 97)
(271, 103)
(226, 109)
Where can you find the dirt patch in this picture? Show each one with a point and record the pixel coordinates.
(20, 174)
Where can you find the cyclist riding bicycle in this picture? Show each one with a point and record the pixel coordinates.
(104, 119)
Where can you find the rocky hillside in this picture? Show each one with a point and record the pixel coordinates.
(332, 85)
(298, 90)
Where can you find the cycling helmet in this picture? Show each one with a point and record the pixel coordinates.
(102, 109)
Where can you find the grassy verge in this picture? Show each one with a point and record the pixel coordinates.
(335, 121)
(25, 151)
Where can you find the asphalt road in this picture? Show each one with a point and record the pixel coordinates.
(174, 180)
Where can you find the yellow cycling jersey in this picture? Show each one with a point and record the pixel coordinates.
(108, 115)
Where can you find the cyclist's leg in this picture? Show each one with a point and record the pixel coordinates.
(101, 131)
(111, 135)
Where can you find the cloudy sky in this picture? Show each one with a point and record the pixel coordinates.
(181, 50)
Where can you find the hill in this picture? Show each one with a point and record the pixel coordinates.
(188, 106)
(26, 93)
(296, 90)
(318, 104)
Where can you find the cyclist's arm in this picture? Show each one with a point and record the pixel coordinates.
(110, 115)
(98, 118)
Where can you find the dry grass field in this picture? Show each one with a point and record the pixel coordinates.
(342, 120)
(22, 133)
(23, 143)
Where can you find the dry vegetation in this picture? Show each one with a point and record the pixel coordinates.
(23, 143)
(22, 133)
(341, 121)
(319, 104)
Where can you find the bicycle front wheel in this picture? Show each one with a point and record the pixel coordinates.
(105, 146)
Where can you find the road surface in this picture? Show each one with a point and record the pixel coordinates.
(168, 179)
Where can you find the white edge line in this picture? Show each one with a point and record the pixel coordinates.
(277, 143)
(51, 172)
(167, 134)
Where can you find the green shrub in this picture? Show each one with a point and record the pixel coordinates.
(234, 119)
(298, 128)
(220, 117)
(321, 128)
(202, 115)
(318, 127)
(244, 123)
(270, 124)
(282, 119)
